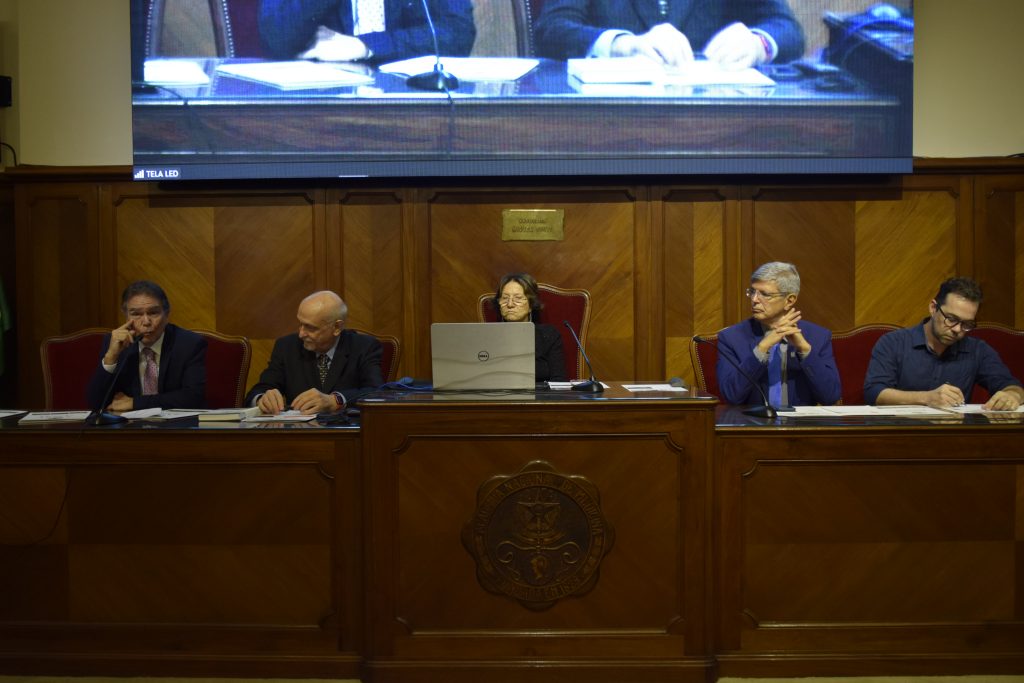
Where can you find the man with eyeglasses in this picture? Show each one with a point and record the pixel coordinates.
(790, 358)
(162, 365)
(322, 367)
(936, 363)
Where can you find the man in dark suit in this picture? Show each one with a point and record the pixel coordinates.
(164, 366)
(340, 31)
(322, 367)
(735, 33)
(791, 359)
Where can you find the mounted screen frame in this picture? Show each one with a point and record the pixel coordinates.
(845, 107)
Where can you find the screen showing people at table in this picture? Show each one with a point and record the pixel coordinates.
(323, 88)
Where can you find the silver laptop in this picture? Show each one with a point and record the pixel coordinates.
(494, 356)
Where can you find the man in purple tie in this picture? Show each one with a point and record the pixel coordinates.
(161, 364)
(790, 358)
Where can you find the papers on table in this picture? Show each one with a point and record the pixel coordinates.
(299, 75)
(9, 413)
(654, 387)
(284, 416)
(977, 408)
(566, 386)
(159, 414)
(466, 68)
(174, 72)
(644, 70)
(867, 411)
(56, 416)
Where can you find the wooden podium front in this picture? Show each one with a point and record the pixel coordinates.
(553, 536)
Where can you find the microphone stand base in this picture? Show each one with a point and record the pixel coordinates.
(98, 418)
(593, 386)
(437, 80)
(766, 412)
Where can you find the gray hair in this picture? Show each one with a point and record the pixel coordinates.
(782, 274)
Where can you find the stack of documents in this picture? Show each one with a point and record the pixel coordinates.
(299, 75)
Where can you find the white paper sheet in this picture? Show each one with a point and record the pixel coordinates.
(466, 68)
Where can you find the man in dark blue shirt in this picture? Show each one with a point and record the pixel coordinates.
(936, 363)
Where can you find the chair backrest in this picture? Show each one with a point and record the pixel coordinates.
(227, 368)
(559, 305)
(524, 14)
(391, 353)
(189, 28)
(704, 358)
(1009, 344)
(852, 351)
(69, 361)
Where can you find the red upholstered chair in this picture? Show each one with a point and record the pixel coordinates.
(704, 358)
(227, 368)
(68, 363)
(1009, 344)
(852, 351)
(391, 354)
(559, 305)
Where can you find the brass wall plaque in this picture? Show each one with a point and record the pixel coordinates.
(532, 225)
(538, 536)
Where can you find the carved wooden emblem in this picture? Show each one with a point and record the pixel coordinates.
(538, 536)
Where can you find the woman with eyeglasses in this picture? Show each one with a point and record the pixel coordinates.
(517, 300)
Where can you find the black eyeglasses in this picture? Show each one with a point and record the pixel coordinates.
(952, 321)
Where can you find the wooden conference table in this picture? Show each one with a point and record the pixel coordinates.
(543, 115)
(551, 535)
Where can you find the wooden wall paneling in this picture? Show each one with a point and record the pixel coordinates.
(999, 247)
(649, 283)
(58, 247)
(8, 279)
(371, 270)
(266, 262)
(694, 263)
(905, 247)
(168, 241)
(417, 287)
(817, 235)
(468, 256)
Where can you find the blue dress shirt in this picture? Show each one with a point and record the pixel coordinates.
(902, 360)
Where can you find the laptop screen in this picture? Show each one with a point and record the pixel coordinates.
(490, 356)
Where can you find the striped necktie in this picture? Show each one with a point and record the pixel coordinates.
(150, 372)
(323, 364)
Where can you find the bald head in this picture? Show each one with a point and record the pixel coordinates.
(324, 306)
(321, 319)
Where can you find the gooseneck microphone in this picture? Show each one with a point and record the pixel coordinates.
(100, 416)
(591, 385)
(766, 410)
(438, 79)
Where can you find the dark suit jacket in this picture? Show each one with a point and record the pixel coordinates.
(567, 28)
(182, 380)
(292, 369)
(811, 380)
(550, 355)
(288, 27)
